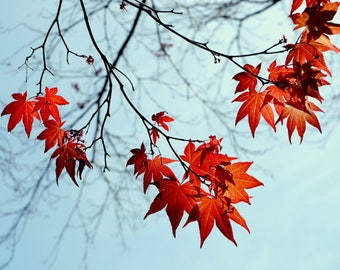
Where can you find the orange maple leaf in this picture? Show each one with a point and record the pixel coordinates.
(254, 105)
(176, 197)
(21, 109)
(242, 181)
(297, 115)
(247, 79)
(155, 170)
(210, 211)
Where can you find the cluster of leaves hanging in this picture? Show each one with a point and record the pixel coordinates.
(212, 184)
(293, 84)
(70, 146)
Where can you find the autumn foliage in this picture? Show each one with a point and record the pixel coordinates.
(70, 147)
(212, 183)
(292, 87)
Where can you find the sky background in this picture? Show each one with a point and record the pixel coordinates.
(294, 218)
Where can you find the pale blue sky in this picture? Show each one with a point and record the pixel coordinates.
(294, 219)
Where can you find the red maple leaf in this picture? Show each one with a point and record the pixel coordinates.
(138, 159)
(67, 156)
(176, 197)
(161, 119)
(254, 105)
(53, 134)
(156, 170)
(155, 135)
(242, 181)
(247, 78)
(209, 211)
(21, 109)
(297, 115)
(47, 105)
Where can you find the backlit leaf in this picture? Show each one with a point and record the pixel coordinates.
(47, 104)
(254, 106)
(53, 134)
(21, 110)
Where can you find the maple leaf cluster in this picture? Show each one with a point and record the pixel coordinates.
(212, 184)
(293, 85)
(70, 146)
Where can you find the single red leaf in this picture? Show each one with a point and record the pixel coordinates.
(237, 192)
(161, 119)
(155, 135)
(208, 212)
(176, 197)
(297, 115)
(247, 79)
(240, 176)
(138, 159)
(47, 104)
(254, 105)
(21, 109)
(53, 134)
(156, 170)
